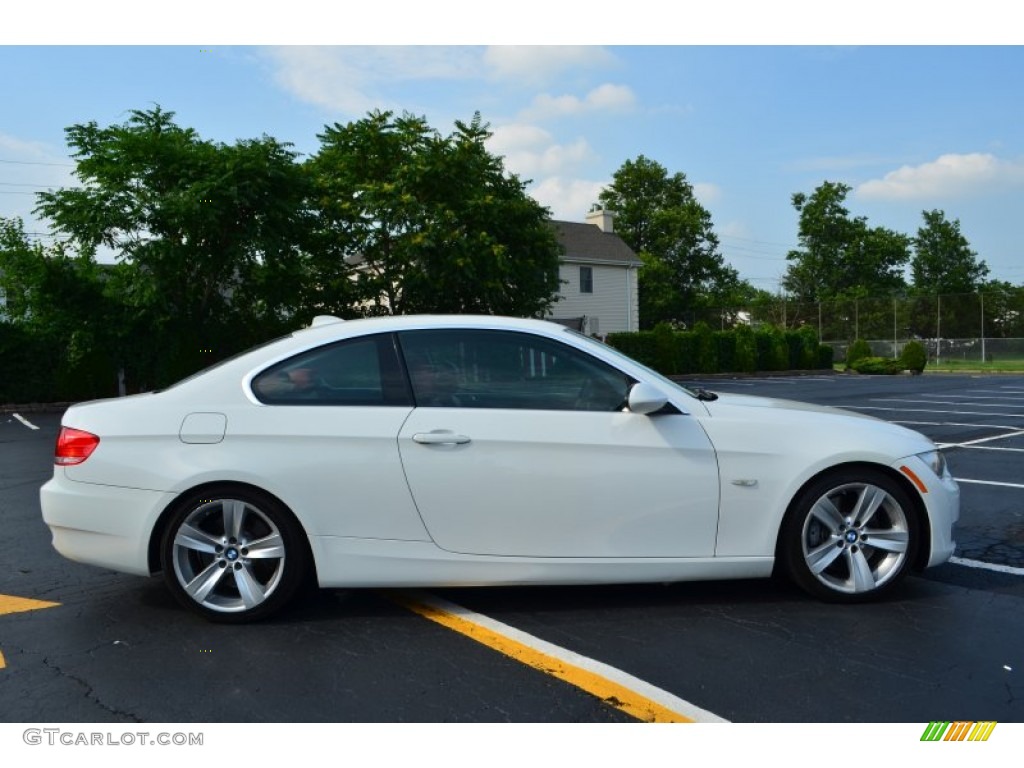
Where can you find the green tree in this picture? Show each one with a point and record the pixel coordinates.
(206, 235)
(432, 223)
(943, 261)
(660, 218)
(1003, 308)
(841, 256)
(59, 299)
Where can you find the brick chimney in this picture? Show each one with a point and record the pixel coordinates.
(602, 219)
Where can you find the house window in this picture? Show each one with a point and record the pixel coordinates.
(586, 279)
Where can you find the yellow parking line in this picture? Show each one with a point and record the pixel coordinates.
(11, 604)
(617, 689)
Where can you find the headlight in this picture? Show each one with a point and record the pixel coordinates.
(936, 461)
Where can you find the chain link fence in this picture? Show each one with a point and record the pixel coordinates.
(972, 327)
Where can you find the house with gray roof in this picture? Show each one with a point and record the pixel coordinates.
(598, 274)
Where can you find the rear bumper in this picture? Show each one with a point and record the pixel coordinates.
(102, 525)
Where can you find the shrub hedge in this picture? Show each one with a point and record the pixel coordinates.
(742, 350)
(38, 369)
(914, 357)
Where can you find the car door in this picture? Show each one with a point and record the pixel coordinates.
(520, 445)
(324, 438)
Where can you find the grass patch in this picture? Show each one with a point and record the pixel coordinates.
(963, 366)
(995, 366)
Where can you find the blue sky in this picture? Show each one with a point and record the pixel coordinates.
(909, 128)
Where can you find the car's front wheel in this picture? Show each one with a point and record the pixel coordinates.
(850, 535)
(233, 554)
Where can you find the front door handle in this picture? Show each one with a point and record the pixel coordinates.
(439, 437)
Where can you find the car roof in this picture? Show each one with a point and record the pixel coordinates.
(329, 329)
(325, 329)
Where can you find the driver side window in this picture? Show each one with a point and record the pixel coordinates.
(462, 368)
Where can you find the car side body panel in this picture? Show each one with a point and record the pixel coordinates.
(392, 495)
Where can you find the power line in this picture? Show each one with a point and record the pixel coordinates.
(43, 186)
(34, 162)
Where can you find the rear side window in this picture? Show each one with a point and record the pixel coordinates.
(362, 371)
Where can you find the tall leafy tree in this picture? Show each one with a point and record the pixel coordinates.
(431, 223)
(206, 235)
(659, 217)
(943, 261)
(840, 256)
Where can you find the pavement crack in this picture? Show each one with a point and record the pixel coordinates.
(90, 693)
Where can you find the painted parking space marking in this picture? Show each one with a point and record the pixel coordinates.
(24, 421)
(972, 396)
(616, 688)
(11, 604)
(976, 443)
(956, 424)
(943, 402)
(968, 447)
(931, 410)
(981, 565)
(996, 483)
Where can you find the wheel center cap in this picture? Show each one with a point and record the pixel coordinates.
(851, 537)
(231, 554)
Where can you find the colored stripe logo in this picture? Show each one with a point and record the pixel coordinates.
(959, 730)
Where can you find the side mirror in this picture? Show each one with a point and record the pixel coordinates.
(645, 399)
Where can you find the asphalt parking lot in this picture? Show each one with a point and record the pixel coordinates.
(116, 648)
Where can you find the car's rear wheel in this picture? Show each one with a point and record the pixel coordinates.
(850, 535)
(233, 554)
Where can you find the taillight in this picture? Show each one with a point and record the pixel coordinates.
(74, 446)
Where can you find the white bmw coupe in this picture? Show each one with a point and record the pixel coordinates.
(457, 451)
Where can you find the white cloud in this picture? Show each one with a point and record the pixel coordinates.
(355, 79)
(532, 152)
(947, 177)
(350, 79)
(707, 193)
(604, 98)
(569, 199)
(539, 63)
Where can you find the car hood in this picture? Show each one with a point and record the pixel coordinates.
(751, 401)
(739, 422)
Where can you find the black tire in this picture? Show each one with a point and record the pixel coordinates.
(850, 536)
(233, 555)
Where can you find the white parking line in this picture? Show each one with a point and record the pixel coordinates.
(989, 439)
(954, 424)
(989, 482)
(969, 447)
(942, 402)
(931, 410)
(25, 421)
(975, 397)
(987, 566)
